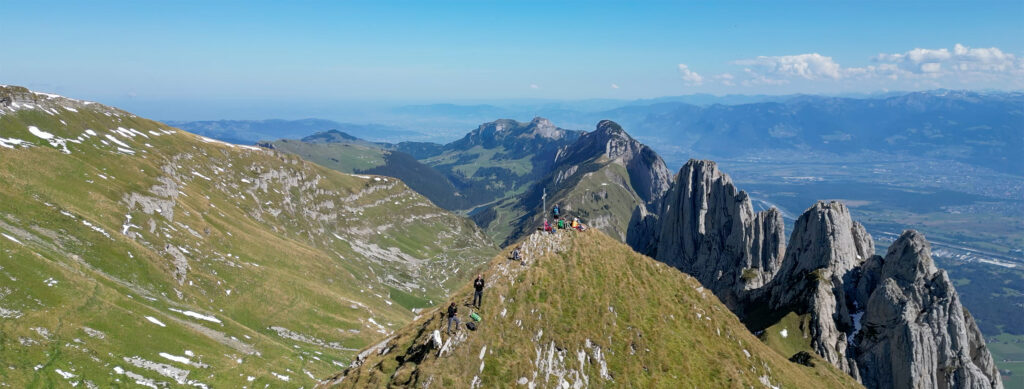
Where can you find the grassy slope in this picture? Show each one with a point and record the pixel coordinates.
(343, 157)
(366, 158)
(482, 158)
(654, 327)
(504, 178)
(258, 237)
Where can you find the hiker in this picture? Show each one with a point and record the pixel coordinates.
(547, 226)
(555, 211)
(575, 223)
(515, 254)
(452, 311)
(561, 224)
(478, 294)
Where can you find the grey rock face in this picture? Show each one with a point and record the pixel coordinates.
(916, 333)
(709, 230)
(893, 322)
(817, 277)
(641, 235)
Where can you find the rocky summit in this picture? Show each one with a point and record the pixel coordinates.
(914, 332)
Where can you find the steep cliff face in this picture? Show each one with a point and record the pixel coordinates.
(817, 277)
(709, 229)
(915, 333)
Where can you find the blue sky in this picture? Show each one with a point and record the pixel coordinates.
(463, 51)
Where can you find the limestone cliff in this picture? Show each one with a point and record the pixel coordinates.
(709, 229)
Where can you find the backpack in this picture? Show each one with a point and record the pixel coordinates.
(471, 326)
(474, 316)
(561, 224)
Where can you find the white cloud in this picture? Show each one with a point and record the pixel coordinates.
(615, 86)
(961, 59)
(534, 86)
(691, 77)
(959, 66)
(812, 66)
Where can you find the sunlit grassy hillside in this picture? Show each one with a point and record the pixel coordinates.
(131, 252)
(585, 310)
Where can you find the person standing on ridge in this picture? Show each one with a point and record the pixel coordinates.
(555, 212)
(453, 316)
(478, 295)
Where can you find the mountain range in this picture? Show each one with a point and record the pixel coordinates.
(862, 313)
(148, 255)
(979, 128)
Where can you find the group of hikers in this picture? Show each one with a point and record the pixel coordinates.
(478, 283)
(561, 223)
(478, 297)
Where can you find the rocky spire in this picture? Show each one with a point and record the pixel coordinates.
(709, 230)
(817, 277)
(916, 333)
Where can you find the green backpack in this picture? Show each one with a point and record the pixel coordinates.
(474, 316)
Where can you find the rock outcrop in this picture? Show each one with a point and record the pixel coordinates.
(893, 322)
(709, 229)
(915, 333)
(818, 278)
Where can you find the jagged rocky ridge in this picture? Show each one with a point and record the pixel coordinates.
(889, 322)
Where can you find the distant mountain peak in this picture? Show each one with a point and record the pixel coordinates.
(611, 128)
(515, 135)
(330, 136)
(544, 128)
